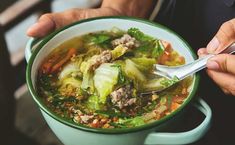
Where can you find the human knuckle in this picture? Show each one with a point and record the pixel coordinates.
(47, 16)
(233, 93)
(231, 86)
(225, 91)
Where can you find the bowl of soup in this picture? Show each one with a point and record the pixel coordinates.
(87, 79)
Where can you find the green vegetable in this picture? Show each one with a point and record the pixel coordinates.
(71, 81)
(137, 121)
(168, 82)
(140, 36)
(152, 49)
(105, 78)
(87, 83)
(134, 73)
(169, 101)
(93, 103)
(163, 100)
(102, 39)
(59, 100)
(144, 63)
(99, 38)
(111, 113)
(116, 32)
(121, 77)
(118, 51)
(158, 49)
(69, 69)
(154, 84)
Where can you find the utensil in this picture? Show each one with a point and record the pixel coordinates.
(178, 73)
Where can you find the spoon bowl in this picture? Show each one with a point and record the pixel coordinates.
(178, 73)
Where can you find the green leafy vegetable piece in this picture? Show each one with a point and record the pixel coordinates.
(45, 80)
(69, 69)
(100, 38)
(118, 51)
(111, 113)
(134, 73)
(144, 63)
(154, 84)
(163, 100)
(169, 101)
(152, 49)
(116, 32)
(88, 83)
(137, 121)
(158, 49)
(121, 77)
(168, 82)
(71, 81)
(59, 100)
(140, 36)
(159, 83)
(93, 103)
(105, 78)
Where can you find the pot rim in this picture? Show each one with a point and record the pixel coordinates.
(72, 124)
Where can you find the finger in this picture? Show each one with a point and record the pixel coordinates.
(45, 25)
(224, 80)
(222, 63)
(225, 91)
(202, 52)
(224, 37)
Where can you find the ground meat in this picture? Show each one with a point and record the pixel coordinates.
(127, 41)
(122, 97)
(104, 57)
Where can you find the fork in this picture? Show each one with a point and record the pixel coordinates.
(183, 71)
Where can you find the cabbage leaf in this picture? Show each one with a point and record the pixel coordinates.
(105, 78)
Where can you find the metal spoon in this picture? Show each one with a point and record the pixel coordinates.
(183, 71)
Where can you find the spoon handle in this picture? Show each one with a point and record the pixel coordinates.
(192, 68)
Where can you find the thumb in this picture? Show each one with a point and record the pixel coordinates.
(45, 25)
(52, 21)
(224, 37)
(222, 63)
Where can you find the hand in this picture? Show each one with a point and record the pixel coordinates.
(221, 68)
(49, 22)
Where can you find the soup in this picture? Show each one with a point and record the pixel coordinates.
(96, 79)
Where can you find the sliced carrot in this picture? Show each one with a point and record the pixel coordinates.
(164, 57)
(57, 66)
(174, 106)
(46, 67)
(167, 51)
(167, 46)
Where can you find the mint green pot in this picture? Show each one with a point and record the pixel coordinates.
(71, 133)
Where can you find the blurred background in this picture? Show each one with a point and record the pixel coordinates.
(15, 17)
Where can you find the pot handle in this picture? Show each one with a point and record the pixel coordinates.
(31, 44)
(184, 137)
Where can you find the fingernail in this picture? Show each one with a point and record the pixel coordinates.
(199, 51)
(213, 45)
(212, 65)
